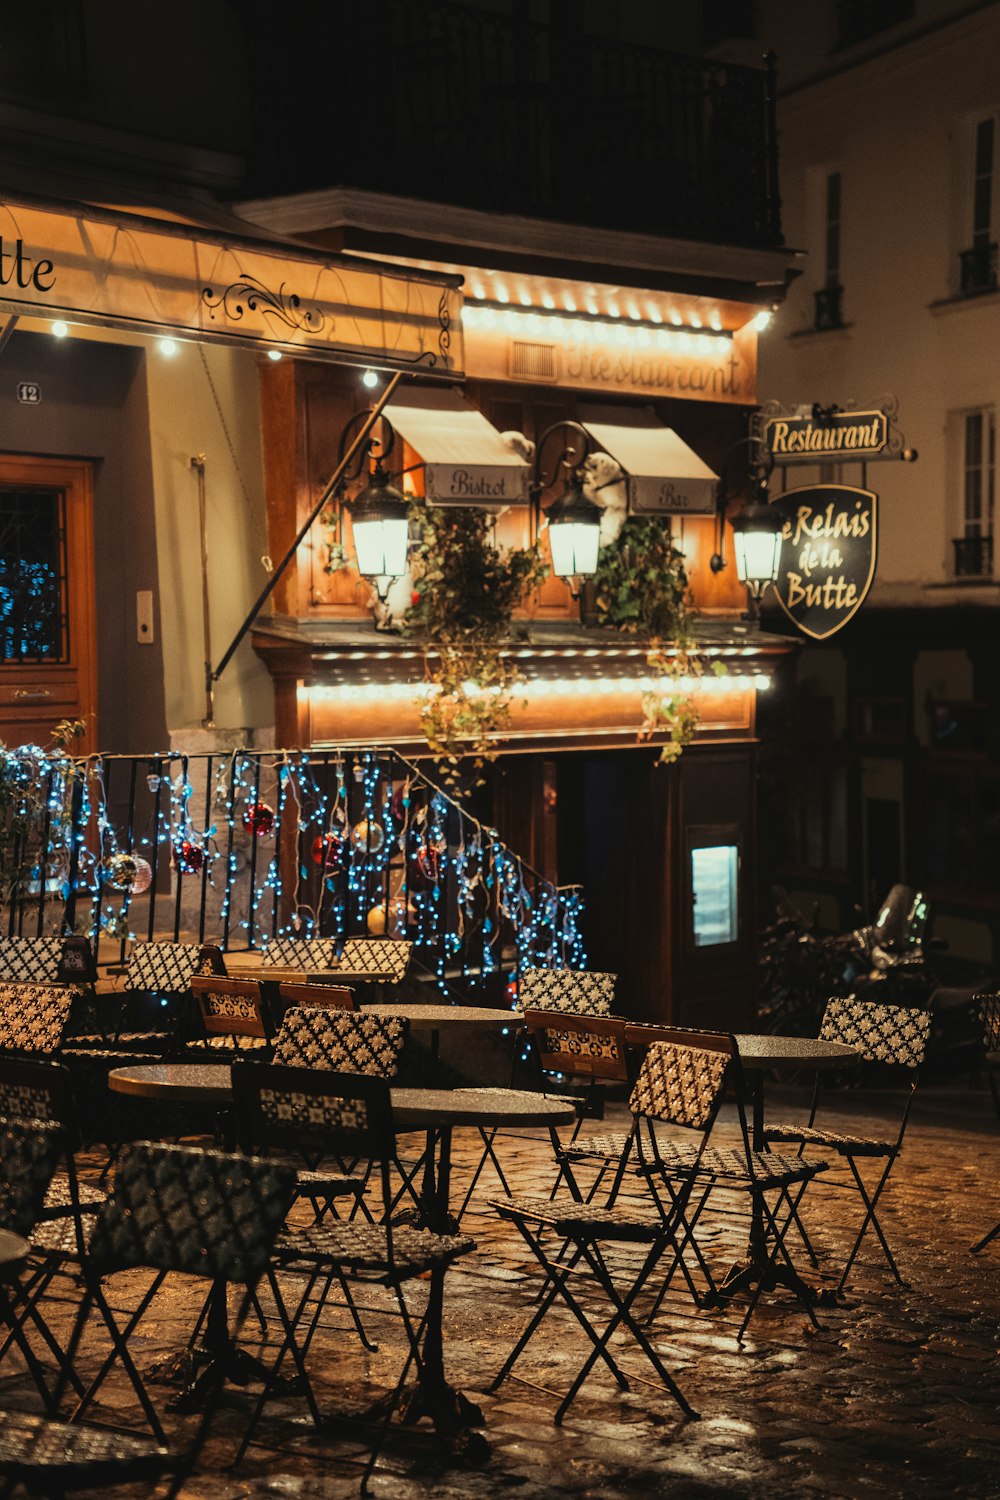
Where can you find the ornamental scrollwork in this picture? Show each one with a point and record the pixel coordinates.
(247, 294)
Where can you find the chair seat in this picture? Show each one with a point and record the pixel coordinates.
(123, 1039)
(227, 1044)
(587, 1218)
(114, 1054)
(313, 1183)
(766, 1168)
(364, 1247)
(48, 1456)
(847, 1145)
(604, 1147)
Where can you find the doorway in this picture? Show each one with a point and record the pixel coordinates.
(48, 655)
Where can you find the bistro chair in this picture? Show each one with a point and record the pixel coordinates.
(575, 991)
(174, 1209)
(157, 979)
(892, 1036)
(299, 953)
(383, 958)
(232, 1015)
(341, 1041)
(343, 1114)
(30, 960)
(317, 996)
(33, 1018)
(988, 1002)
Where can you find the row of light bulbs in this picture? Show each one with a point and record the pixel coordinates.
(545, 687)
(596, 330)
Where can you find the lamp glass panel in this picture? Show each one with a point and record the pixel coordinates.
(381, 547)
(757, 555)
(574, 548)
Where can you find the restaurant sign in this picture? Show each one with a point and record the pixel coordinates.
(86, 264)
(828, 552)
(820, 436)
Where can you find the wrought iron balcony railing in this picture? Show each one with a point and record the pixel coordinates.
(236, 849)
(465, 106)
(979, 269)
(829, 308)
(973, 556)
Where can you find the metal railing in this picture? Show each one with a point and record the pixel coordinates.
(511, 115)
(240, 848)
(973, 556)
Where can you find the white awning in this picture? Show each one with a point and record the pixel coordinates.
(466, 461)
(664, 475)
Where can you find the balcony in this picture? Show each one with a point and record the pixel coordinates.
(829, 308)
(978, 269)
(446, 103)
(973, 556)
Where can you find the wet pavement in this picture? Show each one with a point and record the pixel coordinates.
(896, 1394)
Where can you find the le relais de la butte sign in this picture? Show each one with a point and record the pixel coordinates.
(828, 553)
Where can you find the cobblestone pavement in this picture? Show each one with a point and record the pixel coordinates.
(895, 1395)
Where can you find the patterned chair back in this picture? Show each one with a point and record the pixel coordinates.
(382, 958)
(178, 1208)
(575, 992)
(306, 1110)
(37, 1091)
(30, 1151)
(988, 1003)
(682, 1084)
(230, 1007)
(299, 953)
(318, 996)
(170, 967)
(30, 960)
(33, 1017)
(880, 1033)
(591, 1046)
(341, 1042)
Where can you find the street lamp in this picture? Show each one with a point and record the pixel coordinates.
(757, 529)
(574, 522)
(380, 521)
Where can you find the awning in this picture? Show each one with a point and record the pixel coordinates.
(87, 264)
(664, 475)
(466, 461)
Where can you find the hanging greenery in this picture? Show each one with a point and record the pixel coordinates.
(642, 588)
(465, 593)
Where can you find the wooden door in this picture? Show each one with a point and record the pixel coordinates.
(48, 659)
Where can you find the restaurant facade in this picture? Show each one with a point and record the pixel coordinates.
(184, 472)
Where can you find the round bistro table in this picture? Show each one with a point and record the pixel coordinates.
(436, 1111)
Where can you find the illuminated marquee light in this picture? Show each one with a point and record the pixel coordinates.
(546, 687)
(574, 328)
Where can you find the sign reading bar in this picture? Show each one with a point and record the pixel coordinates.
(91, 265)
(828, 552)
(844, 435)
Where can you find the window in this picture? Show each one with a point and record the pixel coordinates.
(962, 829)
(974, 548)
(714, 888)
(979, 263)
(829, 299)
(33, 619)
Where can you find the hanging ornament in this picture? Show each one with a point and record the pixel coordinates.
(400, 914)
(188, 857)
(366, 837)
(128, 872)
(400, 801)
(328, 851)
(153, 782)
(258, 818)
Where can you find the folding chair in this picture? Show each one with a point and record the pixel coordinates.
(343, 1114)
(299, 953)
(30, 960)
(158, 976)
(576, 991)
(884, 1035)
(33, 1018)
(174, 1209)
(233, 1018)
(988, 1002)
(385, 959)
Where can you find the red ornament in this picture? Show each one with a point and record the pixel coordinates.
(259, 819)
(415, 597)
(328, 851)
(188, 857)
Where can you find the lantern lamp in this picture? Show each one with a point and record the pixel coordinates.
(574, 532)
(380, 522)
(757, 545)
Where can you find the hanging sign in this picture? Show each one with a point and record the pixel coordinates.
(817, 437)
(828, 551)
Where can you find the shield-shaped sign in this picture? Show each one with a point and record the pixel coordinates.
(828, 551)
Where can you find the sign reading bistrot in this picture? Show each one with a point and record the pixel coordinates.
(819, 438)
(828, 551)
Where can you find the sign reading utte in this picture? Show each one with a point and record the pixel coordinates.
(828, 554)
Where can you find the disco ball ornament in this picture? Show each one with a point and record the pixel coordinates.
(189, 857)
(328, 851)
(128, 872)
(259, 819)
(366, 837)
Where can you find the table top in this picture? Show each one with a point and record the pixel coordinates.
(210, 1083)
(442, 1017)
(279, 974)
(762, 1051)
(14, 1251)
